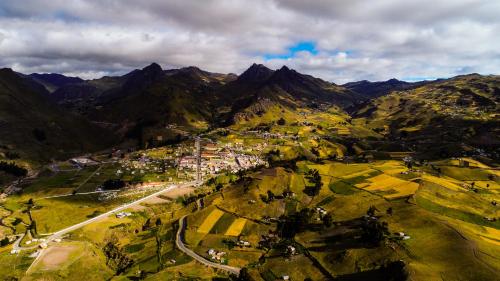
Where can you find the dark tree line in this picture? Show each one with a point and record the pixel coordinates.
(13, 169)
(113, 184)
(315, 178)
(116, 258)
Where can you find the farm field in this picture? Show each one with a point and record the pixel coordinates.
(252, 206)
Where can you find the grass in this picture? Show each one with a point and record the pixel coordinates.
(210, 221)
(340, 187)
(455, 213)
(83, 259)
(236, 227)
(391, 187)
(222, 224)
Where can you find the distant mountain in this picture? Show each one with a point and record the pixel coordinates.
(146, 102)
(260, 88)
(53, 81)
(376, 89)
(80, 95)
(460, 109)
(36, 128)
(152, 104)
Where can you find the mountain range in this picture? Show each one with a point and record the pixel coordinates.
(152, 103)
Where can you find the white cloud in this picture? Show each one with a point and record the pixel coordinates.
(358, 39)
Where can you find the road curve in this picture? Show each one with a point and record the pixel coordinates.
(191, 253)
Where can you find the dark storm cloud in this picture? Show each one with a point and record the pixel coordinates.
(353, 39)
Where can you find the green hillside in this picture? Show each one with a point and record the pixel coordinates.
(36, 129)
(463, 109)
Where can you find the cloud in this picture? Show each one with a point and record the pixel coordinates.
(348, 40)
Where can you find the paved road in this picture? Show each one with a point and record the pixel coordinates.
(81, 193)
(183, 248)
(62, 232)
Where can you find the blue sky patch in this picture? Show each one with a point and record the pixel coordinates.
(303, 46)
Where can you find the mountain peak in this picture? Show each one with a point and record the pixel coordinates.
(284, 68)
(153, 68)
(256, 72)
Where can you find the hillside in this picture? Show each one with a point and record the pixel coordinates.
(260, 89)
(156, 105)
(54, 81)
(377, 89)
(452, 111)
(35, 128)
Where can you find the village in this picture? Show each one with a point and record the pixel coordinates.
(212, 158)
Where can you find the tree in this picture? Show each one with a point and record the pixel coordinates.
(374, 232)
(289, 226)
(146, 225)
(327, 220)
(270, 195)
(371, 211)
(315, 178)
(389, 211)
(116, 258)
(112, 184)
(39, 135)
(13, 169)
(32, 227)
(158, 222)
(281, 121)
(244, 275)
(5, 241)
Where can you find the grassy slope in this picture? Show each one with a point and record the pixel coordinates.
(461, 108)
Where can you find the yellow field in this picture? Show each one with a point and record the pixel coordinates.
(343, 131)
(395, 171)
(442, 182)
(488, 234)
(361, 173)
(491, 235)
(236, 227)
(406, 189)
(385, 182)
(210, 221)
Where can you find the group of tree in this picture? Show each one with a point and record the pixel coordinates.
(315, 178)
(112, 184)
(13, 169)
(267, 198)
(39, 135)
(4, 242)
(116, 257)
(289, 226)
(373, 231)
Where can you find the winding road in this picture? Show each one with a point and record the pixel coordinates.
(191, 253)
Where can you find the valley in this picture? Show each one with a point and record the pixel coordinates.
(269, 175)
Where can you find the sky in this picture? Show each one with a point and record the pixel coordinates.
(339, 41)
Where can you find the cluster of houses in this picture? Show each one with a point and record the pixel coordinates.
(121, 215)
(215, 159)
(144, 165)
(243, 243)
(216, 255)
